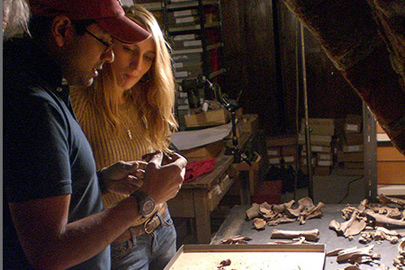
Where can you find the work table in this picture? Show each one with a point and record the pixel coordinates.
(236, 224)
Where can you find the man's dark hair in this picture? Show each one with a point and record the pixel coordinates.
(40, 26)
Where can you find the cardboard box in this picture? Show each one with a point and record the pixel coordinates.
(389, 153)
(273, 151)
(391, 172)
(205, 119)
(350, 157)
(323, 140)
(289, 159)
(353, 123)
(322, 170)
(353, 148)
(249, 122)
(203, 152)
(289, 150)
(318, 149)
(324, 163)
(274, 160)
(324, 156)
(353, 165)
(281, 140)
(354, 138)
(319, 126)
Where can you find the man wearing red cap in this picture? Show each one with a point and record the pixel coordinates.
(53, 212)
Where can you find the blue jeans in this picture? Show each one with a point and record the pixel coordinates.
(147, 251)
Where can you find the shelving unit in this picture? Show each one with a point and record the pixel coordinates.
(194, 30)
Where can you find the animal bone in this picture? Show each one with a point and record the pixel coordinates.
(280, 220)
(312, 235)
(259, 223)
(295, 241)
(252, 212)
(236, 240)
(349, 228)
(345, 255)
(381, 219)
(386, 200)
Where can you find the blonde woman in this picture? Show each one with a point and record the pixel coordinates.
(126, 113)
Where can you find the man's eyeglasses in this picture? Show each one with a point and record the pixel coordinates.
(107, 45)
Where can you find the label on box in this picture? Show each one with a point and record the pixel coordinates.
(274, 161)
(272, 152)
(352, 127)
(289, 159)
(185, 20)
(184, 37)
(325, 156)
(178, 65)
(324, 163)
(183, 94)
(181, 74)
(353, 148)
(192, 43)
(182, 13)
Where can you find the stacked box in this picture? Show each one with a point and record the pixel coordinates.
(390, 162)
(281, 150)
(322, 131)
(187, 63)
(182, 108)
(351, 150)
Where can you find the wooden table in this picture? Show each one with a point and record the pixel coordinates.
(235, 224)
(200, 197)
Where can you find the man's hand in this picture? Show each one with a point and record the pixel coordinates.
(164, 176)
(123, 177)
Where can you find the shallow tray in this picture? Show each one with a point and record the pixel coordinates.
(252, 257)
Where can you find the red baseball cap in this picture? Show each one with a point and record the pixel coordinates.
(107, 13)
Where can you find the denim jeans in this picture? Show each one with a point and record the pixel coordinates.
(147, 251)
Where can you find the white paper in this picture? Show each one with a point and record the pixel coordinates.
(184, 140)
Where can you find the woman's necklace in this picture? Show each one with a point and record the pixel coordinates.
(129, 133)
(125, 112)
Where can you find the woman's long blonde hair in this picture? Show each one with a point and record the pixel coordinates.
(153, 96)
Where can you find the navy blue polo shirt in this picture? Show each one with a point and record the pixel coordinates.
(45, 152)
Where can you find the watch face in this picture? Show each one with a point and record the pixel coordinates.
(148, 206)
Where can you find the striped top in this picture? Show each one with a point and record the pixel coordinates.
(109, 147)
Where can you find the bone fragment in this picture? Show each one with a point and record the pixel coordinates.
(280, 220)
(311, 235)
(265, 208)
(386, 200)
(401, 248)
(252, 212)
(259, 223)
(352, 267)
(334, 252)
(381, 219)
(236, 240)
(296, 241)
(346, 254)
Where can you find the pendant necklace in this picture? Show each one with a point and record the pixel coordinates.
(129, 134)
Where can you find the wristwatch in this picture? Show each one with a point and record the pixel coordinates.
(146, 204)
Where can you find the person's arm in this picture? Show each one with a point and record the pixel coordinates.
(50, 242)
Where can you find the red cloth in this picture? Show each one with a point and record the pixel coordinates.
(198, 168)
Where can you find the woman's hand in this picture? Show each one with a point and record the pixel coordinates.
(123, 177)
